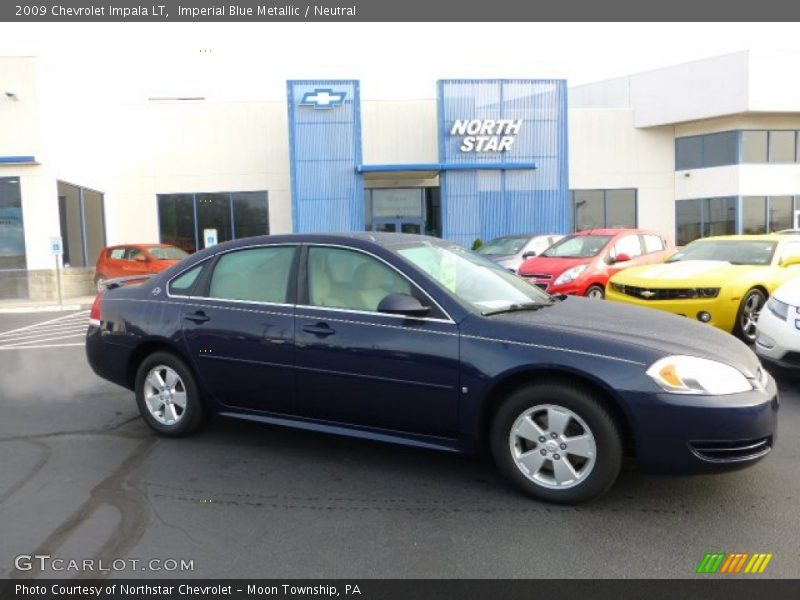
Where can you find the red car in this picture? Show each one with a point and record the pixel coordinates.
(135, 259)
(581, 264)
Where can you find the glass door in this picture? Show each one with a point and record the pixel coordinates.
(401, 225)
(797, 219)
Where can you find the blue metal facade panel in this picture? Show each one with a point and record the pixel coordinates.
(485, 204)
(325, 148)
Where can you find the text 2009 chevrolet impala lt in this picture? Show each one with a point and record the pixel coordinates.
(414, 340)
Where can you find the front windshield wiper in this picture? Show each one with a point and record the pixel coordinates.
(517, 308)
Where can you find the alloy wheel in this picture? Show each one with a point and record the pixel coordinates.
(750, 312)
(165, 395)
(553, 446)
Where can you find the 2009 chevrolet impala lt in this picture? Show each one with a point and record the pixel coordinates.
(415, 340)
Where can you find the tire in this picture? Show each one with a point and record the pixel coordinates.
(747, 315)
(596, 291)
(539, 468)
(99, 283)
(178, 420)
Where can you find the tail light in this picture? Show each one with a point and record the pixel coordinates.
(94, 314)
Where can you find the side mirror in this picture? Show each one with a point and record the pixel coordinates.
(529, 254)
(621, 258)
(791, 261)
(403, 304)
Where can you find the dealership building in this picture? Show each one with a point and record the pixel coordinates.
(703, 148)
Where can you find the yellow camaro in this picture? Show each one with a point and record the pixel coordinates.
(723, 281)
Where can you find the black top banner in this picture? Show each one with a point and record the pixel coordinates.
(398, 10)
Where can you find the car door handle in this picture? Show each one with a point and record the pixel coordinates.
(197, 317)
(320, 329)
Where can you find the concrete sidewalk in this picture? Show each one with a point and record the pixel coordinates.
(33, 306)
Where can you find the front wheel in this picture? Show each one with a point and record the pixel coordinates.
(557, 443)
(168, 396)
(747, 316)
(596, 292)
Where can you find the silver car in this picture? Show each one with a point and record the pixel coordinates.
(511, 251)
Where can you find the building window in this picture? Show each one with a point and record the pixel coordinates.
(754, 146)
(12, 233)
(704, 217)
(82, 219)
(712, 150)
(781, 212)
(183, 219)
(735, 147)
(754, 214)
(596, 209)
(688, 221)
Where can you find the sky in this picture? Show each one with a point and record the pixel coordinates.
(252, 61)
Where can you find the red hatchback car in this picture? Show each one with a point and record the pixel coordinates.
(581, 264)
(135, 259)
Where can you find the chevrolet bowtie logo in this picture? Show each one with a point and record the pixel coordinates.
(323, 98)
(647, 294)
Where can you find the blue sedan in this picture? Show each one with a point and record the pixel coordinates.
(414, 340)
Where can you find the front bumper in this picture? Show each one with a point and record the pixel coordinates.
(573, 288)
(778, 341)
(678, 433)
(723, 311)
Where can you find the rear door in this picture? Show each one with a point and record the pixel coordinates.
(239, 327)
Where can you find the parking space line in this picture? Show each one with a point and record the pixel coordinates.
(50, 339)
(78, 330)
(27, 327)
(40, 346)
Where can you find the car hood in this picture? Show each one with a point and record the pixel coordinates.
(660, 333)
(700, 273)
(554, 266)
(789, 293)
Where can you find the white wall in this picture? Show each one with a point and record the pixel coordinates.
(606, 151)
(399, 132)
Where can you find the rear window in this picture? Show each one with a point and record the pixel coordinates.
(168, 253)
(182, 285)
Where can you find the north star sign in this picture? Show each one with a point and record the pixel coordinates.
(486, 135)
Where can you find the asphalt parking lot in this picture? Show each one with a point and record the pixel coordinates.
(82, 477)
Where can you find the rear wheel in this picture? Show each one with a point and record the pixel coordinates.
(596, 291)
(747, 317)
(168, 396)
(557, 443)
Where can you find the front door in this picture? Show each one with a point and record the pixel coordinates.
(361, 367)
(400, 225)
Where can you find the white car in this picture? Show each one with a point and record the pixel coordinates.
(778, 338)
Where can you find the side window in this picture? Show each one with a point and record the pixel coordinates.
(182, 285)
(255, 275)
(540, 245)
(131, 253)
(629, 245)
(116, 253)
(790, 250)
(652, 243)
(340, 278)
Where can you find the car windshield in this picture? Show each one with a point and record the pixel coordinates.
(503, 245)
(736, 252)
(578, 246)
(473, 279)
(168, 253)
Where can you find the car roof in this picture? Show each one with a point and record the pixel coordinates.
(612, 231)
(761, 237)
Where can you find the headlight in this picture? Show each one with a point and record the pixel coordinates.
(693, 375)
(778, 308)
(570, 275)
